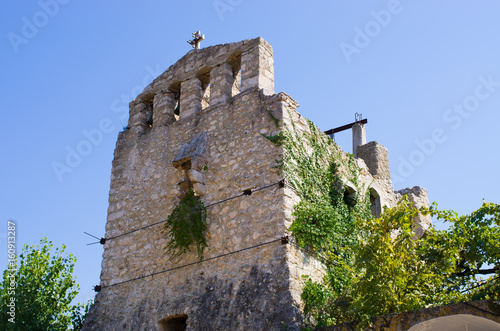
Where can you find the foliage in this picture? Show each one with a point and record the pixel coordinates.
(186, 225)
(326, 215)
(276, 139)
(395, 272)
(314, 166)
(378, 265)
(275, 120)
(390, 265)
(472, 246)
(78, 315)
(44, 291)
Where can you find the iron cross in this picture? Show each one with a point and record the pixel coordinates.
(198, 37)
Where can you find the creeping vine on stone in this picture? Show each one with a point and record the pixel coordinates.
(315, 166)
(324, 223)
(185, 226)
(275, 120)
(276, 139)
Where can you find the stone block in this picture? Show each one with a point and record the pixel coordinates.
(139, 115)
(376, 158)
(418, 197)
(191, 97)
(236, 88)
(199, 188)
(163, 109)
(196, 176)
(194, 151)
(221, 83)
(257, 69)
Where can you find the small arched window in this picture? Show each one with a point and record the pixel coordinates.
(375, 202)
(350, 196)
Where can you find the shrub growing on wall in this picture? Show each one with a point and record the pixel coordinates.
(186, 226)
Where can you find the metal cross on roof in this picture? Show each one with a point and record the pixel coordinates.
(198, 37)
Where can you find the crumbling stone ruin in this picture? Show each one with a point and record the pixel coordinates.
(200, 126)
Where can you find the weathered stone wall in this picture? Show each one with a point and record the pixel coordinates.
(376, 158)
(251, 290)
(242, 289)
(201, 124)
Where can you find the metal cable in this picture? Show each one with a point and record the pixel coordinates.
(98, 288)
(281, 183)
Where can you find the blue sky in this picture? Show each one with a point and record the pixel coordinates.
(425, 73)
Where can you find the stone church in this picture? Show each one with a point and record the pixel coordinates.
(200, 126)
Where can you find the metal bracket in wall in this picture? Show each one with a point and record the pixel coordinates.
(247, 192)
(101, 241)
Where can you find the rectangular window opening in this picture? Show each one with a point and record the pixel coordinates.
(177, 323)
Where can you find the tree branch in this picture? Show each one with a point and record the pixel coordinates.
(468, 271)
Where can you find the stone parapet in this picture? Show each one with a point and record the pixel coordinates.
(206, 77)
(257, 68)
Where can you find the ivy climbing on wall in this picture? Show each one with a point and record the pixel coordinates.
(186, 226)
(376, 266)
(316, 168)
(325, 218)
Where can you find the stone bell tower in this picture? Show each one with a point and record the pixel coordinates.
(200, 125)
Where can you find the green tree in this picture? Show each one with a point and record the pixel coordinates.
(45, 287)
(394, 271)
